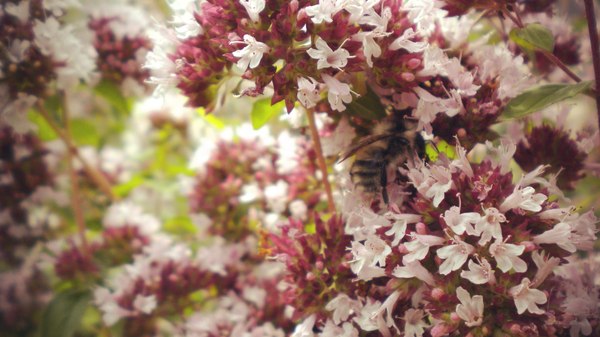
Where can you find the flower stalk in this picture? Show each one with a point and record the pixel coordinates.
(96, 177)
(75, 192)
(591, 20)
(310, 114)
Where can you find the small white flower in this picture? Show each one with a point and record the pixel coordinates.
(479, 273)
(405, 42)
(524, 199)
(305, 329)
(559, 235)
(506, 256)
(298, 209)
(367, 318)
(470, 309)
(460, 222)
(370, 47)
(327, 57)
(324, 10)
(489, 225)
(338, 93)
(20, 11)
(527, 298)
(276, 196)
(145, 304)
(251, 54)
(442, 178)
(342, 307)
(414, 269)
(414, 326)
(253, 7)
(308, 92)
(359, 8)
(419, 247)
(454, 255)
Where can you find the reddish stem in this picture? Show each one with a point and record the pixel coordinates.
(591, 20)
(320, 158)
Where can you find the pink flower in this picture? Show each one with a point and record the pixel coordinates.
(527, 298)
(470, 309)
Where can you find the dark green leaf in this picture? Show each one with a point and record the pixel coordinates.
(63, 315)
(533, 36)
(263, 111)
(113, 95)
(541, 97)
(367, 106)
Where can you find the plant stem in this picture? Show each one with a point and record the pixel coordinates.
(593, 31)
(547, 54)
(310, 113)
(91, 172)
(75, 192)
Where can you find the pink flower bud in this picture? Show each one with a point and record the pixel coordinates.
(422, 228)
(408, 77)
(413, 63)
(310, 276)
(437, 293)
(402, 249)
(454, 317)
(319, 265)
(441, 329)
(529, 246)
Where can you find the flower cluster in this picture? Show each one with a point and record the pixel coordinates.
(469, 246)
(40, 53)
(121, 43)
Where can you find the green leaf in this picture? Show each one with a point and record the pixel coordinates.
(125, 188)
(63, 315)
(113, 95)
(533, 36)
(367, 106)
(541, 97)
(44, 130)
(433, 152)
(263, 111)
(181, 225)
(85, 132)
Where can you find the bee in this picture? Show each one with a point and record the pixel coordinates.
(392, 142)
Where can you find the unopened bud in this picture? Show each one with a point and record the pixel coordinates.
(421, 228)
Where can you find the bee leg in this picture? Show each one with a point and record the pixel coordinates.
(383, 182)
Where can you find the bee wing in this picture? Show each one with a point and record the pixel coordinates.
(360, 144)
